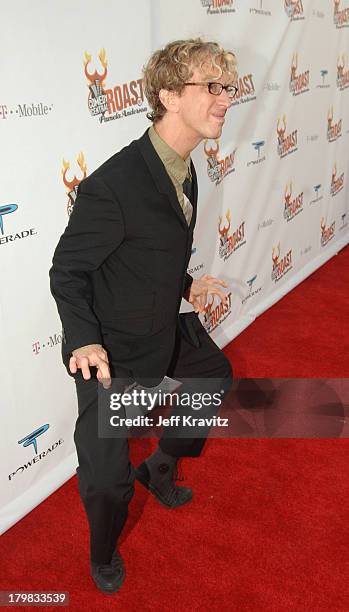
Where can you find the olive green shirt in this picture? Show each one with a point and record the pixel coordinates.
(177, 168)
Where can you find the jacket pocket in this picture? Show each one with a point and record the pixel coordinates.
(130, 315)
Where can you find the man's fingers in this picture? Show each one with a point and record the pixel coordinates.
(72, 365)
(103, 376)
(83, 364)
(220, 294)
(218, 281)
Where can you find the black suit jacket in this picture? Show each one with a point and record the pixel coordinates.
(120, 268)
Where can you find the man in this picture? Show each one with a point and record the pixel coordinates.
(118, 277)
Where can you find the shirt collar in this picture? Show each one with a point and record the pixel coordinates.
(178, 167)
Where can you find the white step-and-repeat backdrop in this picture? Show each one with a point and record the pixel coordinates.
(273, 190)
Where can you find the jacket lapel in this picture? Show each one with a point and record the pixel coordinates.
(162, 180)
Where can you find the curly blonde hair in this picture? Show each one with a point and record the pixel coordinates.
(169, 68)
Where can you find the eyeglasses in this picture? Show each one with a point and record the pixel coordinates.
(217, 88)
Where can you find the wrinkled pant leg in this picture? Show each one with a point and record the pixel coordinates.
(105, 474)
(209, 371)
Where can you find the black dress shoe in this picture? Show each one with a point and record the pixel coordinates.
(109, 577)
(160, 482)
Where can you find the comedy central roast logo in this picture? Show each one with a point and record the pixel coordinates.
(281, 265)
(342, 79)
(215, 7)
(337, 182)
(218, 169)
(299, 83)
(292, 205)
(334, 130)
(340, 16)
(72, 185)
(246, 90)
(216, 312)
(327, 231)
(286, 142)
(110, 103)
(294, 9)
(230, 242)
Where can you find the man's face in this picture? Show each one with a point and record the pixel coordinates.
(202, 113)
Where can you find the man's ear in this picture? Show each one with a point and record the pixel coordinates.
(169, 99)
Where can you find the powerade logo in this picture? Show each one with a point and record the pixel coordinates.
(260, 10)
(318, 196)
(6, 210)
(31, 439)
(323, 84)
(253, 290)
(257, 147)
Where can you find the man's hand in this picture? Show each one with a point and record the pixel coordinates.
(91, 355)
(199, 290)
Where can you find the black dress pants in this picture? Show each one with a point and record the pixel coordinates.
(105, 474)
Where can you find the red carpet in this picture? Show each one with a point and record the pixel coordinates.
(267, 530)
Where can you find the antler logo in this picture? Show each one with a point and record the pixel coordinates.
(97, 99)
(96, 77)
(340, 66)
(288, 193)
(340, 17)
(298, 82)
(333, 129)
(214, 315)
(281, 265)
(330, 118)
(223, 231)
(294, 66)
(334, 172)
(286, 143)
(275, 255)
(213, 166)
(342, 76)
(217, 168)
(337, 182)
(327, 232)
(72, 185)
(292, 206)
(208, 309)
(293, 8)
(281, 131)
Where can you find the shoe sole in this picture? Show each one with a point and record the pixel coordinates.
(156, 493)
